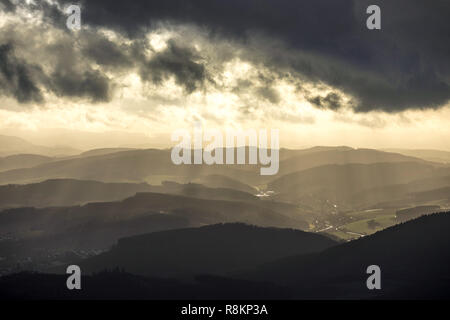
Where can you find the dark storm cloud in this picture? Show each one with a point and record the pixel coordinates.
(177, 61)
(50, 11)
(330, 101)
(406, 62)
(25, 81)
(7, 5)
(105, 52)
(302, 22)
(402, 66)
(89, 84)
(16, 77)
(268, 94)
(424, 89)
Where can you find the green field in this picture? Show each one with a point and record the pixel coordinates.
(365, 223)
(370, 225)
(340, 234)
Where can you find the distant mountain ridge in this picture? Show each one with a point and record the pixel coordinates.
(426, 154)
(323, 156)
(125, 165)
(18, 161)
(69, 192)
(10, 145)
(341, 181)
(66, 192)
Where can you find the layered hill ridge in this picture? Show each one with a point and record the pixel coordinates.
(123, 165)
(69, 192)
(18, 161)
(413, 258)
(98, 225)
(10, 145)
(215, 249)
(341, 181)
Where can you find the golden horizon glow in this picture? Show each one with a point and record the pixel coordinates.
(238, 93)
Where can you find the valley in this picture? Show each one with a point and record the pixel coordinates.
(104, 208)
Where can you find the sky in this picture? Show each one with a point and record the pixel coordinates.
(143, 69)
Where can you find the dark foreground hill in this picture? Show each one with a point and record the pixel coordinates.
(414, 258)
(215, 249)
(117, 285)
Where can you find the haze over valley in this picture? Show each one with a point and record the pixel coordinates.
(215, 149)
(102, 208)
